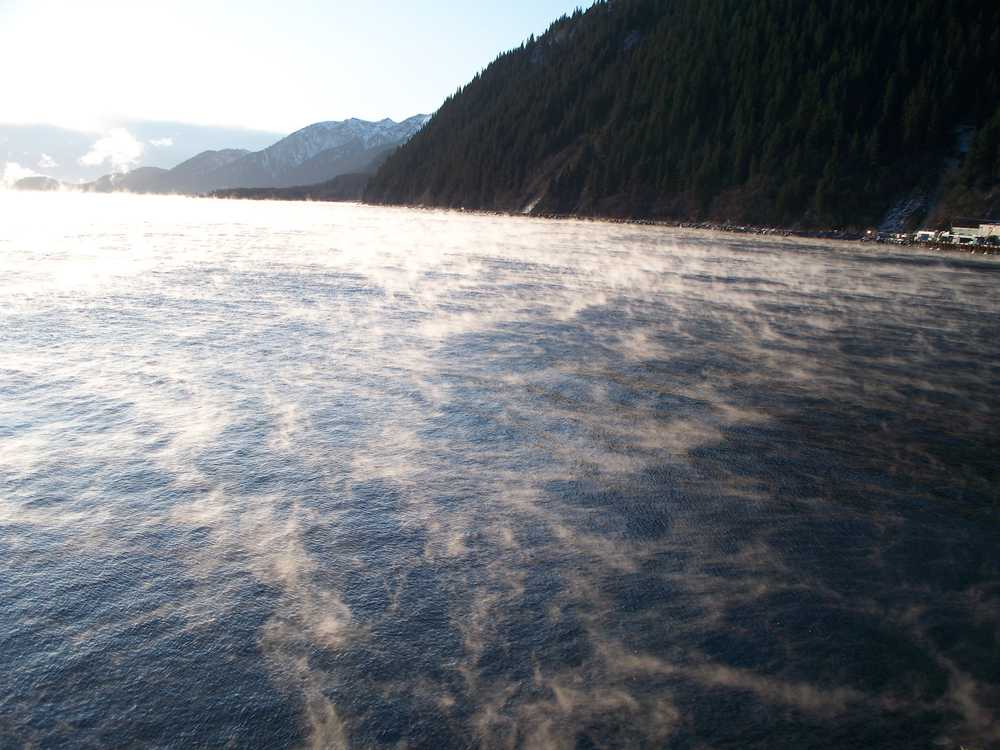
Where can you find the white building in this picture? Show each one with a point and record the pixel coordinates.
(966, 229)
(975, 229)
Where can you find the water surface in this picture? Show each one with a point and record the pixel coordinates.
(307, 475)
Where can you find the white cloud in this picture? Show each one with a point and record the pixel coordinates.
(162, 142)
(11, 172)
(119, 148)
(47, 162)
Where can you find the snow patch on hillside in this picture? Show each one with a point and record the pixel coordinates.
(304, 144)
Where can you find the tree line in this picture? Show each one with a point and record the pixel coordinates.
(808, 112)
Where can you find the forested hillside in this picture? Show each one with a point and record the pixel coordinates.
(792, 112)
(345, 187)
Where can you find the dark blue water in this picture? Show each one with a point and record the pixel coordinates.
(326, 476)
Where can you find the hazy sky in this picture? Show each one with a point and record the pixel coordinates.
(275, 65)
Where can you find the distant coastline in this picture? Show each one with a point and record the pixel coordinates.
(350, 188)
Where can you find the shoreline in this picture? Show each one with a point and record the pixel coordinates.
(834, 235)
(830, 235)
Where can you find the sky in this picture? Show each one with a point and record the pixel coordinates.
(260, 64)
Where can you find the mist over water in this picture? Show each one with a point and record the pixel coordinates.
(309, 475)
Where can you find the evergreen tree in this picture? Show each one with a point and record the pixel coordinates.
(775, 111)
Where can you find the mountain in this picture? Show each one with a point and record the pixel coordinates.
(60, 152)
(352, 157)
(38, 184)
(190, 175)
(780, 112)
(346, 186)
(142, 180)
(185, 178)
(313, 154)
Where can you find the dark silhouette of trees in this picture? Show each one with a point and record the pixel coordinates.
(816, 112)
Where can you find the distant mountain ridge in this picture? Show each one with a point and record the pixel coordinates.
(317, 153)
(186, 177)
(58, 152)
(141, 180)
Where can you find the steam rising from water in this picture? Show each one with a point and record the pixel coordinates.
(330, 476)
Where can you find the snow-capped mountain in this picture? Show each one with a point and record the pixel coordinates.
(304, 144)
(329, 148)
